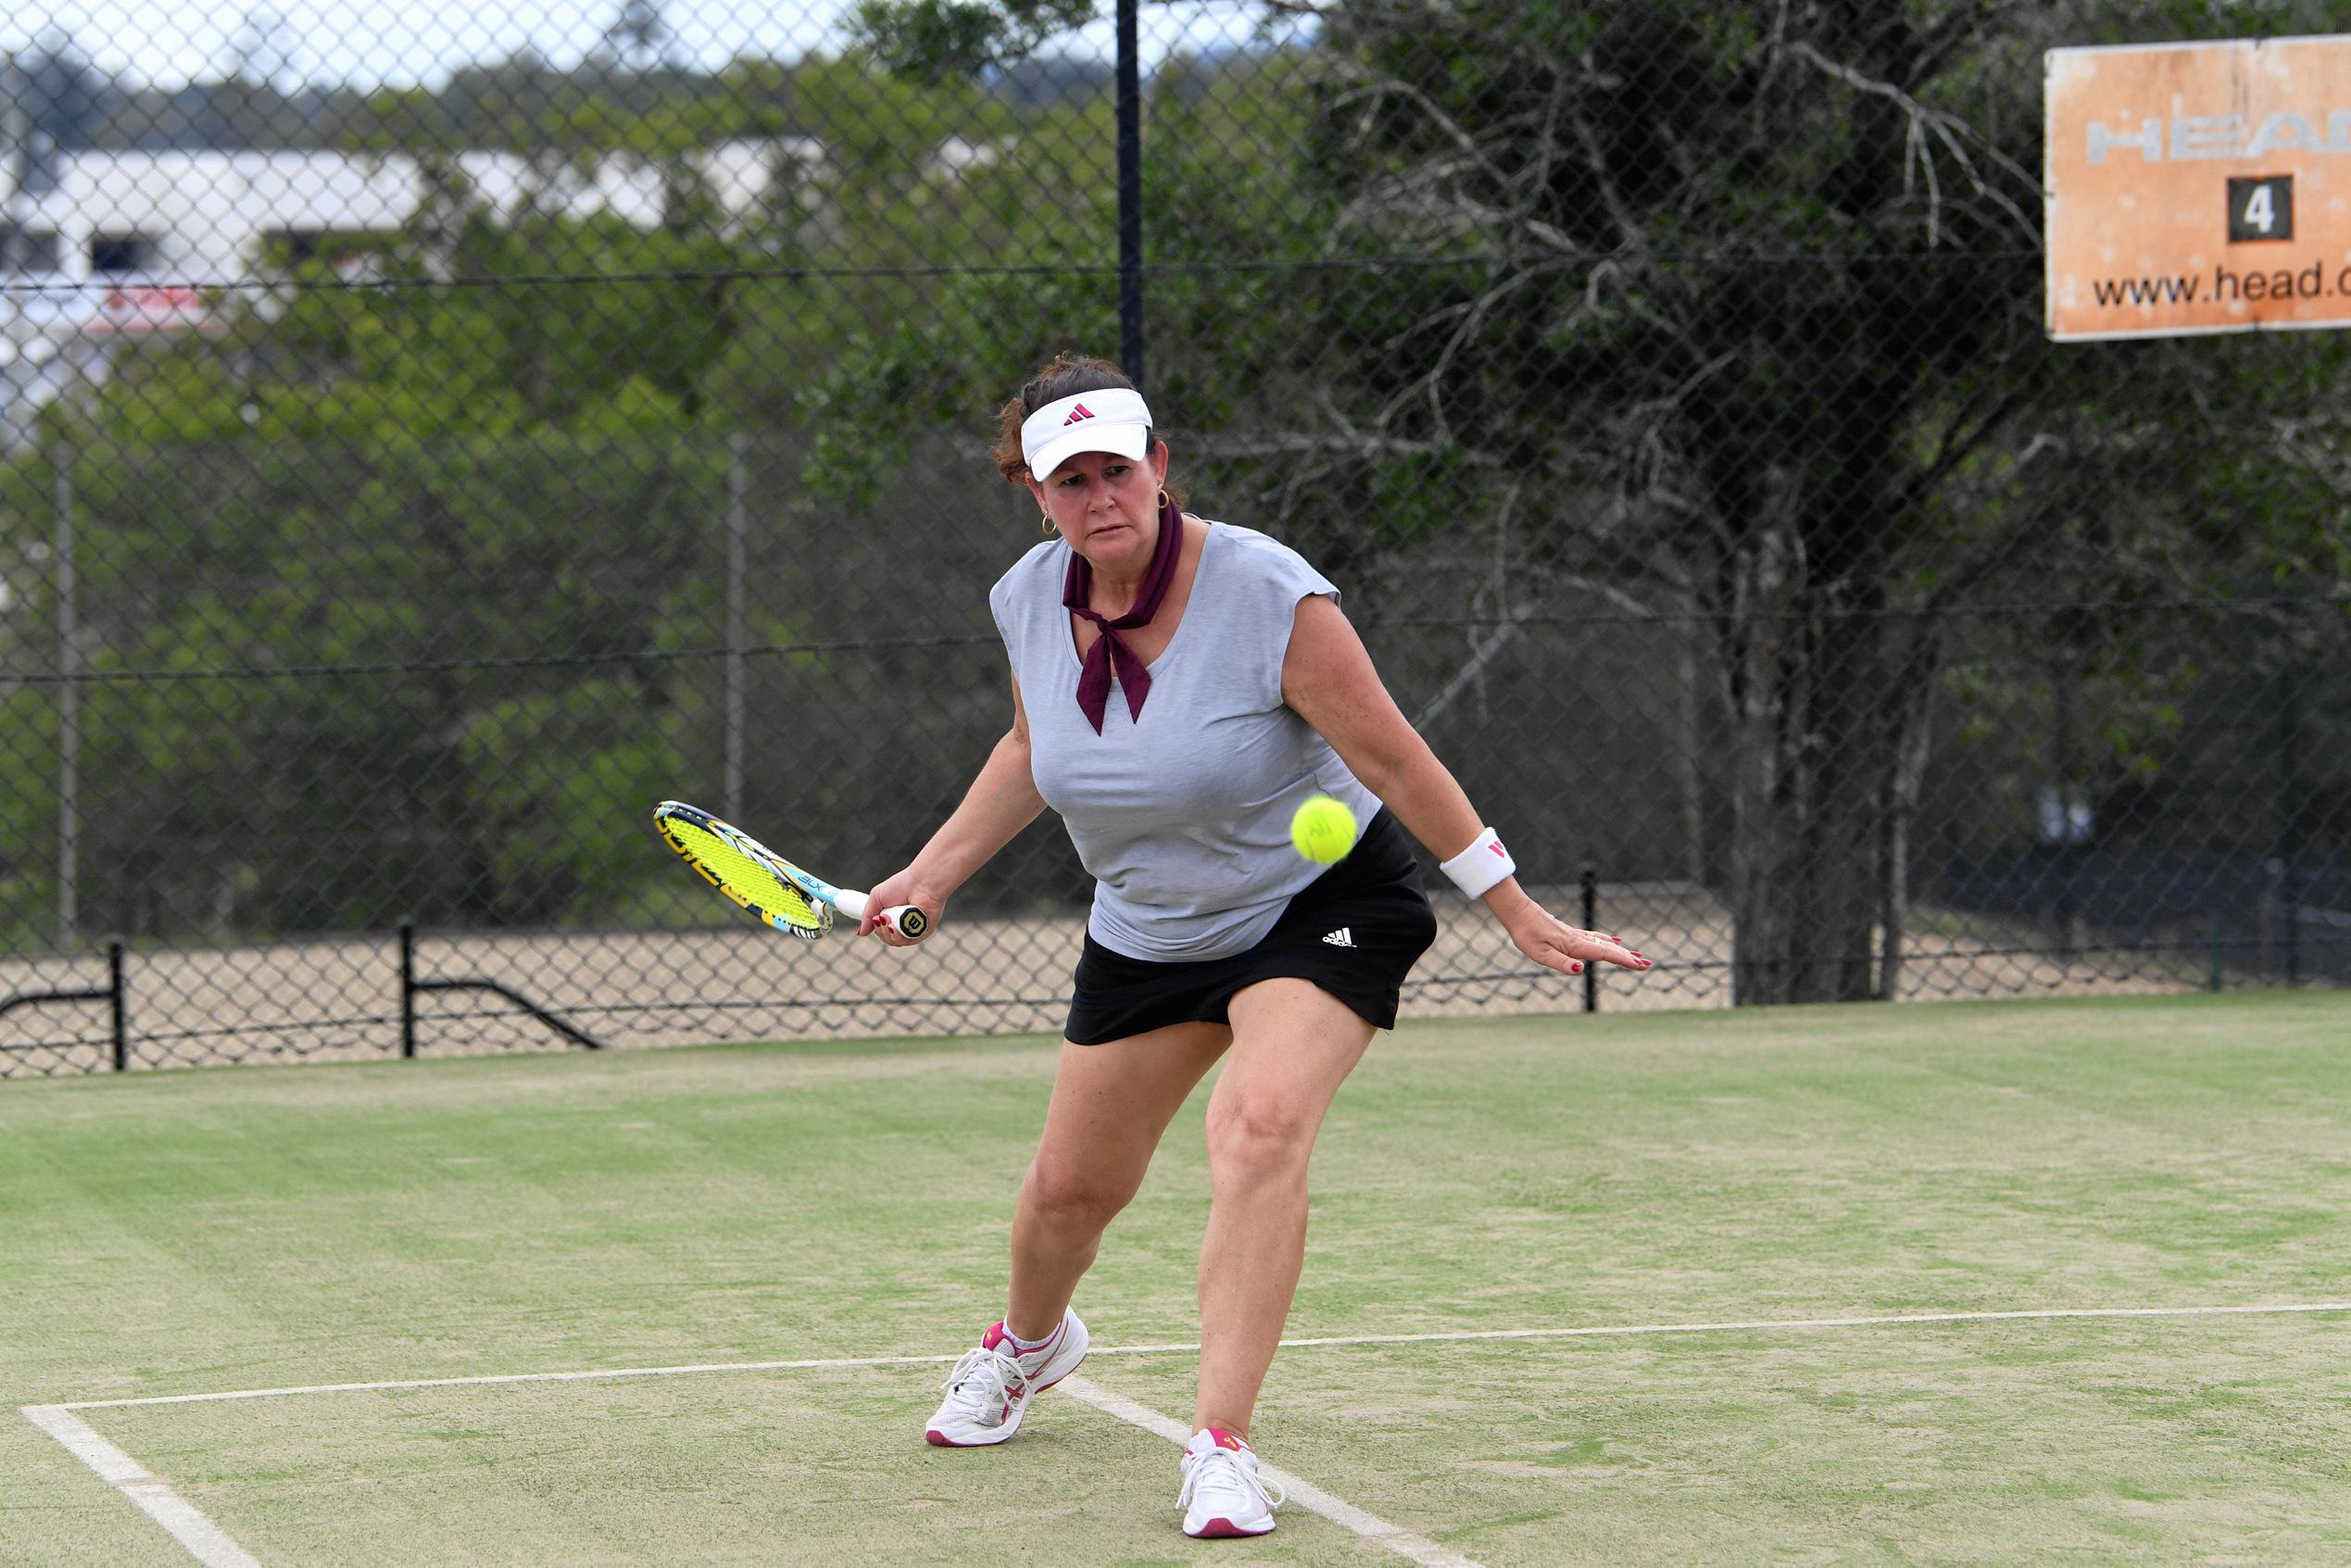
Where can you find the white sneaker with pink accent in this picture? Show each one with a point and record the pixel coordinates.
(1223, 1495)
(990, 1389)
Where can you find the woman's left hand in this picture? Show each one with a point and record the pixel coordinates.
(1554, 944)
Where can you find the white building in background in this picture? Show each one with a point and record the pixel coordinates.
(128, 244)
(204, 217)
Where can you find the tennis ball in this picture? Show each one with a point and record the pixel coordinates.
(1324, 829)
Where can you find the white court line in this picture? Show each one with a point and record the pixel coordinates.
(1462, 1336)
(186, 1523)
(1311, 1498)
(509, 1377)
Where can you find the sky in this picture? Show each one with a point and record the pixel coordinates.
(409, 42)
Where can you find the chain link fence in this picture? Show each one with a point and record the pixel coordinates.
(429, 435)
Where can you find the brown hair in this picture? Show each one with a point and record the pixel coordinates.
(1067, 376)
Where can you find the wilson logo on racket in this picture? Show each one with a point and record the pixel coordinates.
(770, 886)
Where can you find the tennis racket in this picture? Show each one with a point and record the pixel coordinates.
(765, 883)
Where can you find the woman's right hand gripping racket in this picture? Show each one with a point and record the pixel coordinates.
(765, 883)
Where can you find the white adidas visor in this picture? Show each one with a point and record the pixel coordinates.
(1117, 421)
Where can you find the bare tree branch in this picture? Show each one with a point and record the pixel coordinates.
(1952, 131)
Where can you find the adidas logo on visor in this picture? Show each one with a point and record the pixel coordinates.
(1083, 412)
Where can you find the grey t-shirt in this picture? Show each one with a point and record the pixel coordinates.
(1181, 817)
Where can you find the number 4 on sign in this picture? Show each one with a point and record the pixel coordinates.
(2261, 208)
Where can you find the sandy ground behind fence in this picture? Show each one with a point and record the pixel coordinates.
(340, 999)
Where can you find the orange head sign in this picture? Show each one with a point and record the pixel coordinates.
(2199, 187)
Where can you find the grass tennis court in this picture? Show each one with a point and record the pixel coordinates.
(175, 1233)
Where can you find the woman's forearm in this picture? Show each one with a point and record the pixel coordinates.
(1426, 800)
(1327, 678)
(1001, 801)
(1435, 809)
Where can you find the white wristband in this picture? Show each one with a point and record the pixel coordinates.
(1476, 869)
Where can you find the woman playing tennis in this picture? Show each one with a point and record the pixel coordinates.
(1179, 689)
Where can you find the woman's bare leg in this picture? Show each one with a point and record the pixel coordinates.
(1293, 1045)
(1111, 1105)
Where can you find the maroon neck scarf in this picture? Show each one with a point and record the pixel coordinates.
(1108, 653)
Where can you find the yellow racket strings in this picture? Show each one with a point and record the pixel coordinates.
(745, 879)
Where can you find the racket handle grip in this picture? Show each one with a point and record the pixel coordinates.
(906, 919)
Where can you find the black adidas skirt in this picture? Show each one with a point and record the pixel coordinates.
(1355, 931)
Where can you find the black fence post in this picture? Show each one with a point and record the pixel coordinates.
(1130, 193)
(113, 992)
(411, 986)
(1592, 922)
(2289, 739)
(407, 988)
(121, 1010)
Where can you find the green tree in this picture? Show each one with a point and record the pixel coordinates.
(1733, 314)
(430, 502)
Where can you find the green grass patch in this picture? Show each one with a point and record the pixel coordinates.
(195, 1232)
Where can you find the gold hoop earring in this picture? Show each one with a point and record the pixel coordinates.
(1047, 517)
(1165, 500)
